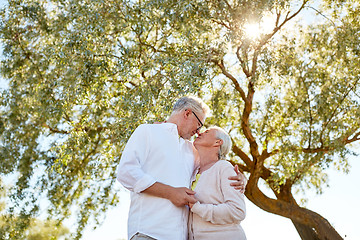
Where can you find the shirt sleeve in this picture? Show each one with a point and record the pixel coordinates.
(232, 210)
(129, 171)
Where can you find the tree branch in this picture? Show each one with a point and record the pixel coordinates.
(228, 5)
(266, 37)
(246, 126)
(254, 62)
(242, 62)
(243, 156)
(220, 64)
(54, 130)
(221, 23)
(265, 173)
(310, 113)
(330, 147)
(321, 14)
(107, 55)
(242, 168)
(85, 159)
(278, 14)
(251, 90)
(355, 138)
(324, 126)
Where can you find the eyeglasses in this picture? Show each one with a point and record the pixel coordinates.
(201, 124)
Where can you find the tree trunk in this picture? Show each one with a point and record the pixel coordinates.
(305, 232)
(310, 225)
(285, 194)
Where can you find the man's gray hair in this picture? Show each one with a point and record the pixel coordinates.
(190, 102)
(226, 146)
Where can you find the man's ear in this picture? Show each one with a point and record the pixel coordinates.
(186, 113)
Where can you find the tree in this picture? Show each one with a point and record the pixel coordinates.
(83, 74)
(36, 229)
(78, 85)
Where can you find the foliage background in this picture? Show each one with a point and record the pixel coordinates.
(82, 135)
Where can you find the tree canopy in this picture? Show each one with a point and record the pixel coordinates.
(82, 75)
(36, 229)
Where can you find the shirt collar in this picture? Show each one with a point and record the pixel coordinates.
(172, 127)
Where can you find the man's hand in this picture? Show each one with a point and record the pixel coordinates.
(182, 196)
(178, 196)
(240, 179)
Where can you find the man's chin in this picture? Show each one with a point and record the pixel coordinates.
(188, 136)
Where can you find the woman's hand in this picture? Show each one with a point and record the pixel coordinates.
(191, 205)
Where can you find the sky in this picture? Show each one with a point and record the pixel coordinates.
(338, 204)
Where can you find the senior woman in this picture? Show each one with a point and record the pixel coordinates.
(220, 208)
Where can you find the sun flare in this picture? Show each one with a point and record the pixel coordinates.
(254, 30)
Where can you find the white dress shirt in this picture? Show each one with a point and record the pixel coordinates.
(156, 153)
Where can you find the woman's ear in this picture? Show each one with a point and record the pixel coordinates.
(219, 142)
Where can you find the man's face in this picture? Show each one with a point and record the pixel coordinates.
(193, 124)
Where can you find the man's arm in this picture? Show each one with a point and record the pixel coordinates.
(131, 175)
(240, 180)
(129, 171)
(178, 196)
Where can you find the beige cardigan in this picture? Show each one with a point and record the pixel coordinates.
(220, 209)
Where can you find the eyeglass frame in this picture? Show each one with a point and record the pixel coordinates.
(201, 124)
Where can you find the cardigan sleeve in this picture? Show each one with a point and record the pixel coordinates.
(232, 210)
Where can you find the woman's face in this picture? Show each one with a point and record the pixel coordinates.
(206, 139)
